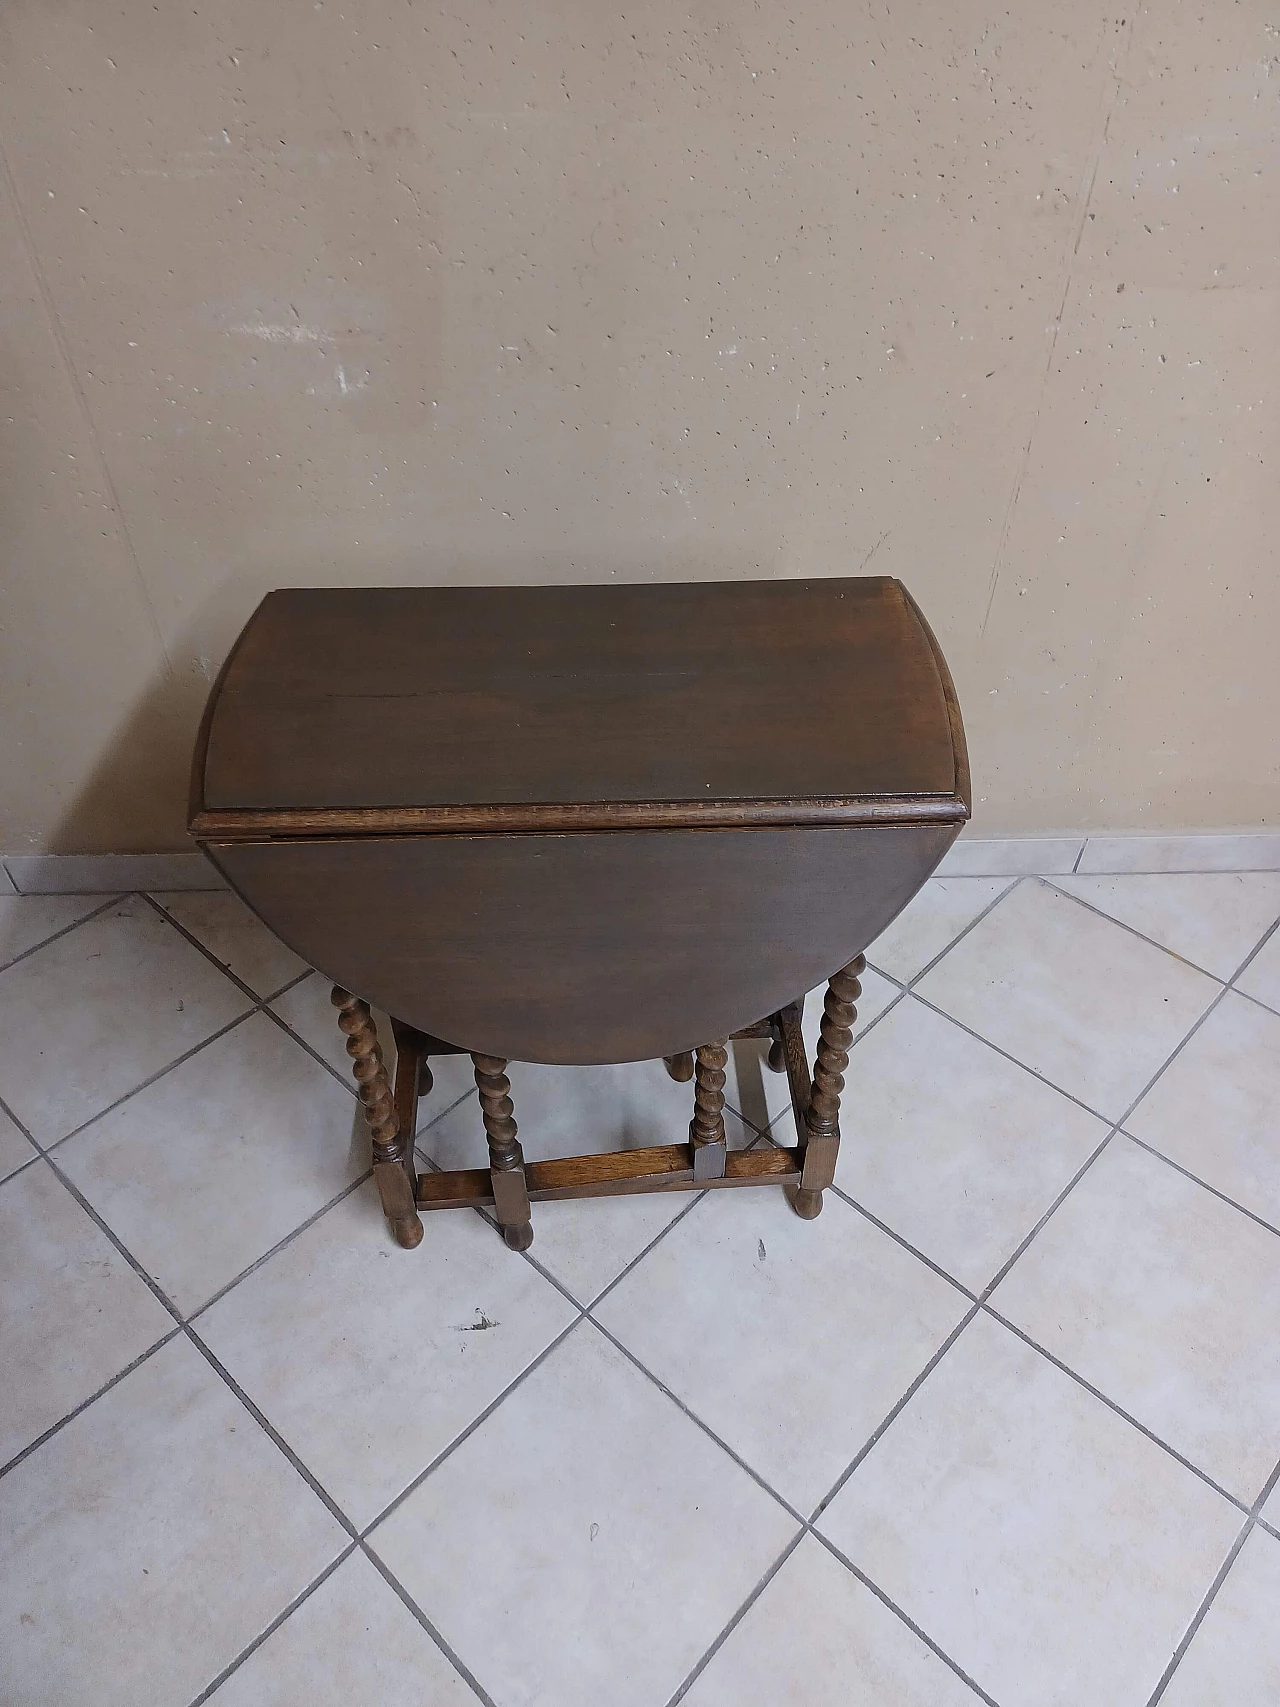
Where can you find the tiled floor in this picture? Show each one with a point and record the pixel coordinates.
(1003, 1425)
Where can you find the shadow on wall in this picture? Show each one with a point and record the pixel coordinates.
(135, 798)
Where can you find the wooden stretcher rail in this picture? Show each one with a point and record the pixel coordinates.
(666, 1167)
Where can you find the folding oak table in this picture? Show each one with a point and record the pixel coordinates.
(584, 824)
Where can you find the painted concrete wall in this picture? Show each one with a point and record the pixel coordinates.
(352, 290)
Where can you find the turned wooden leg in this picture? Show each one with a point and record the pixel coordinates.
(392, 1148)
(680, 1066)
(506, 1159)
(822, 1117)
(706, 1129)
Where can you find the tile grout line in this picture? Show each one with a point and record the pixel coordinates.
(64, 930)
(74, 1412)
(1014, 883)
(1195, 1179)
(471, 1427)
(807, 1525)
(1142, 936)
(393, 1582)
(1097, 1393)
(916, 1630)
(701, 1665)
(694, 1418)
(223, 966)
(154, 1078)
(895, 1411)
(234, 1665)
(954, 1336)
(883, 1227)
(1252, 1520)
(583, 1312)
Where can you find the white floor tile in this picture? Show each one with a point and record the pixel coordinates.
(351, 1642)
(90, 1015)
(218, 1160)
(235, 937)
(587, 1542)
(370, 1359)
(724, 1311)
(1234, 1656)
(72, 1311)
(307, 1009)
(817, 1638)
(763, 1096)
(145, 1544)
(1163, 1298)
(585, 1245)
(14, 1148)
(953, 1146)
(1261, 978)
(931, 922)
(570, 1111)
(1048, 1547)
(1071, 995)
(1211, 919)
(27, 920)
(1216, 1109)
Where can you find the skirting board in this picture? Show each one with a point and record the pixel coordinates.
(972, 856)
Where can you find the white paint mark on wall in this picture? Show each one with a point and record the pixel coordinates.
(278, 334)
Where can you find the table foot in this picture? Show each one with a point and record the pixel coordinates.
(680, 1066)
(807, 1204)
(518, 1238)
(408, 1233)
(777, 1059)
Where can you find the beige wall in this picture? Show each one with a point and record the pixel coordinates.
(978, 295)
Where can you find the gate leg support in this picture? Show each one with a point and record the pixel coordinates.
(506, 1159)
(391, 1148)
(706, 1129)
(822, 1117)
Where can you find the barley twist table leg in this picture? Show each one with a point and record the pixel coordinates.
(822, 1117)
(390, 1145)
(706, 1129)
(506, 1159)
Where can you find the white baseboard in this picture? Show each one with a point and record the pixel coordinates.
(972, 856)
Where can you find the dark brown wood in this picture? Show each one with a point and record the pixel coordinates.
(519, 945)
(822, 1117)
(584, 824)
(668, 1167)
(412, 1080)
(488, 696)
(392, 1151)
(706, 1129)
(796, 1063)
(506, 1159)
